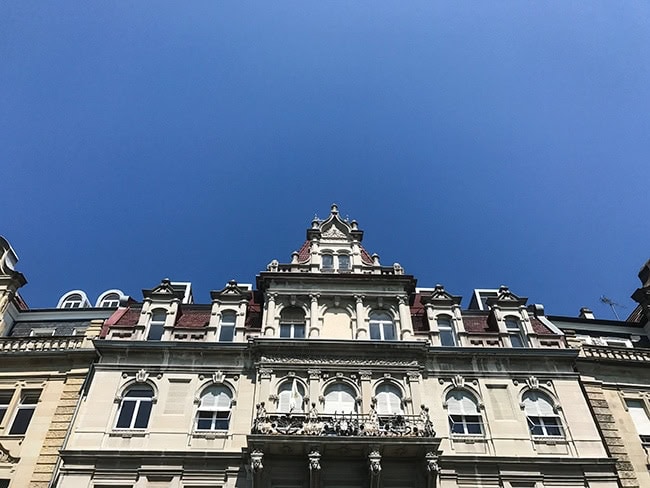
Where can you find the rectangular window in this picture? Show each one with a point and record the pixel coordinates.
(156, 332)
(344, 262)
(5, 401)
(213, 420)
(24, 412)
(292, 331)
(639, 416)
(41, 332)
(545, 426)
(465, 424)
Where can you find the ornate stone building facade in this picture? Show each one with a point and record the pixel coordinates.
(613, 364)
(333, 371)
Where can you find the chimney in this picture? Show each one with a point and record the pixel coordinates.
(586, 313)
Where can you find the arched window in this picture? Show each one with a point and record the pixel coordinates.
(111, 300)
(513, 327)
(74, 300)
(381, 327)
(157, 325)
(389, 400)
(464, 417)
(446, 331)
(327, 262)
(291, 395)
(541, 416)
(214, 409)
(135, 408)
(227, 326)
(340, 398)
(292, 323)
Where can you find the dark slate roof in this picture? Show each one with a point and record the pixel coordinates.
(61, 328)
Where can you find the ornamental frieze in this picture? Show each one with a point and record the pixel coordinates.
(338, 361)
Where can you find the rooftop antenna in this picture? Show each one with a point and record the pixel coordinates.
(612, 304)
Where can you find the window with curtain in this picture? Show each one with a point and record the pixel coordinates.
(214, 410)
(446, 331)
(135, 408)
(291, 396)
(513, 326)
(292, 323)
(227, 326)
(389, 400)
(464, 416)
(541, 416)
(340, 398)
(382, 327)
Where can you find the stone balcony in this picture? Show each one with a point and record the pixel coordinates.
(343, 425)
(42, 343)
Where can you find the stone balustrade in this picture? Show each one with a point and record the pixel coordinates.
(40, 343)
(615, 353)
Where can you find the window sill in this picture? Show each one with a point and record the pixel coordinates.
(127, 433)
(468, 438)
(210, 434)
(549, 439)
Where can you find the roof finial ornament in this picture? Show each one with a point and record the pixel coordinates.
(335, 209)
(315, 222)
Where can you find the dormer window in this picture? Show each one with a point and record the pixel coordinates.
(513, 326)
(344, 262)
(157, 325)
(112, 300)
(446, 331)
(72, 301)
(328, 262)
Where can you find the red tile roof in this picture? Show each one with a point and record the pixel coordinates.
(192, 318)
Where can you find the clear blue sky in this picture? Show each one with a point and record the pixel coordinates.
(477, 143)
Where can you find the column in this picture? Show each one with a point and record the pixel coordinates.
(314, 468)
(314, 329)
(405, 318)
(362, 333)
(366, 391)
(270, 314)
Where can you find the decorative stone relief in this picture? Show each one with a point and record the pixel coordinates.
(6, 457)
(532, 382)
(265, 373)
(314, 460)
(431, 461)
(458, 381)
(314, 374)
(256, 461)
(218, 377)
(374, 459)
(141, 376)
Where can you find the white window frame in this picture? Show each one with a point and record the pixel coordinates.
(295, 391)
(41, 332)
(447, 328)
(109, 302)
(547, 421)
(331, 405)
(292, 324)
(466, 418)
(227, 325)
(139, 401)
(218, 414)
(22, 406)
(514, 327)
(380, 320)
(639, 416)
(157, 323)
(389, 400)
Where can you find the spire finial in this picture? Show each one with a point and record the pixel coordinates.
(335, 209)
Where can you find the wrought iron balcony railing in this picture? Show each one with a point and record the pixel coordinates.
(371, 425)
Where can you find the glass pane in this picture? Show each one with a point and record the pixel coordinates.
(222, 420)
(447, 338)
(552, 426)
(126, 414)
(534, 425)
(456, 424)
(21, 422)
(139, 393)
(389, 332)
(374, 332)
(328, 261)
(473, 425)
(285, 330)
(299, 331)
(142, 418)
(515, 340)
(155, 332)
(226, 333)
(204, 421)
(344, 261)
